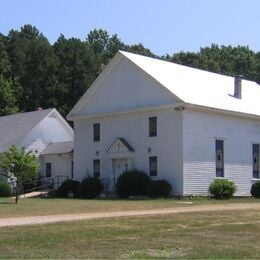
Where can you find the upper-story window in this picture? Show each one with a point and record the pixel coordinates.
(152, 126)
(255, 149)
(96, 132)
(219, 158)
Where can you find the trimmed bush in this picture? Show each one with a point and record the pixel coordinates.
(132, 183)
(222, 189)
(90, 188)
(159, 188)
(5, 189)
(255, 190)
(66, 187)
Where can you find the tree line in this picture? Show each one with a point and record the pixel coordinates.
(35, 73)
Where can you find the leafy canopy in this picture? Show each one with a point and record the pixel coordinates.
(24, 165)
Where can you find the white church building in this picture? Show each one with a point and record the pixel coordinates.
(177, 123)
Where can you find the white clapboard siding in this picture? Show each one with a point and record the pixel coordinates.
(200, 130)
(133, 127)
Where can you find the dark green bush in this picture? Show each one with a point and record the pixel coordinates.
(222, 189)
(90, 188)
(52, 194)
(5, 189)
(66, 187)
(255, 189)
(159, 188)
(132, 183)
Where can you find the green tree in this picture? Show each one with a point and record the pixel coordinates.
(32, 71)
(228, 60)
(139, 49)
(23, 165)
(103, 47)
(7, 98)
(75, 71)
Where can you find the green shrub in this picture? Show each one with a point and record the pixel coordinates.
(222, 189)
(132, 183)
(66, 187)
(90, 188)
(52, 194)
(255, 189)
(159, 188)
(5, 189)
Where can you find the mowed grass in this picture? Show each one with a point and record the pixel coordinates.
(225, 234)
(38, 206)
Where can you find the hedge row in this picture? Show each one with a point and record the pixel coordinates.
(138, 183)
(89, 188)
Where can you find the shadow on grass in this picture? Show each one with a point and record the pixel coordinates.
(6, 202)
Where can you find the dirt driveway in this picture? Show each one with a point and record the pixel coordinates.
(8, 222)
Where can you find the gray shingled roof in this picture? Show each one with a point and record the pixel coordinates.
(14, 127)
(61, 147)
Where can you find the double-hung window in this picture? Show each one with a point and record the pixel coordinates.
(48, 170)
(96, 132)
(219, 146)
(152, 126)
(96, 168)
(255, 151)
(153, 165)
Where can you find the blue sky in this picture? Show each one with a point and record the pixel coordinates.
(164, 26)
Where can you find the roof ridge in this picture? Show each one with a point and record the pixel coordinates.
(23, 113)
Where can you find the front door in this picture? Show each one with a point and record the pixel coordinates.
(119, 166)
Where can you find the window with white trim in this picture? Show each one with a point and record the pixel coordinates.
(48, 169)
(152, 126)
(96, 168)
(96, 132)
(153, 165)
(255, 151)
(219, 146)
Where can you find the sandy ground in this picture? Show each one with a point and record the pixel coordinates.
(34, 220)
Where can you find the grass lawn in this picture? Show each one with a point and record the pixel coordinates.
(226, 234)
(38, 206)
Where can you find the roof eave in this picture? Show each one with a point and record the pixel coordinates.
(221, 111)
(128, 111)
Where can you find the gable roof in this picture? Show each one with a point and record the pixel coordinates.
(190, 86)
(14, 127)
(59, 148)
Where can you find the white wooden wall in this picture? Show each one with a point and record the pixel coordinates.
(199, 133)
(134, 127)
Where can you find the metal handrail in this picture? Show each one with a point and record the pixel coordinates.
(45, 182)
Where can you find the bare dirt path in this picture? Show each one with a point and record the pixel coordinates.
(8, 222)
